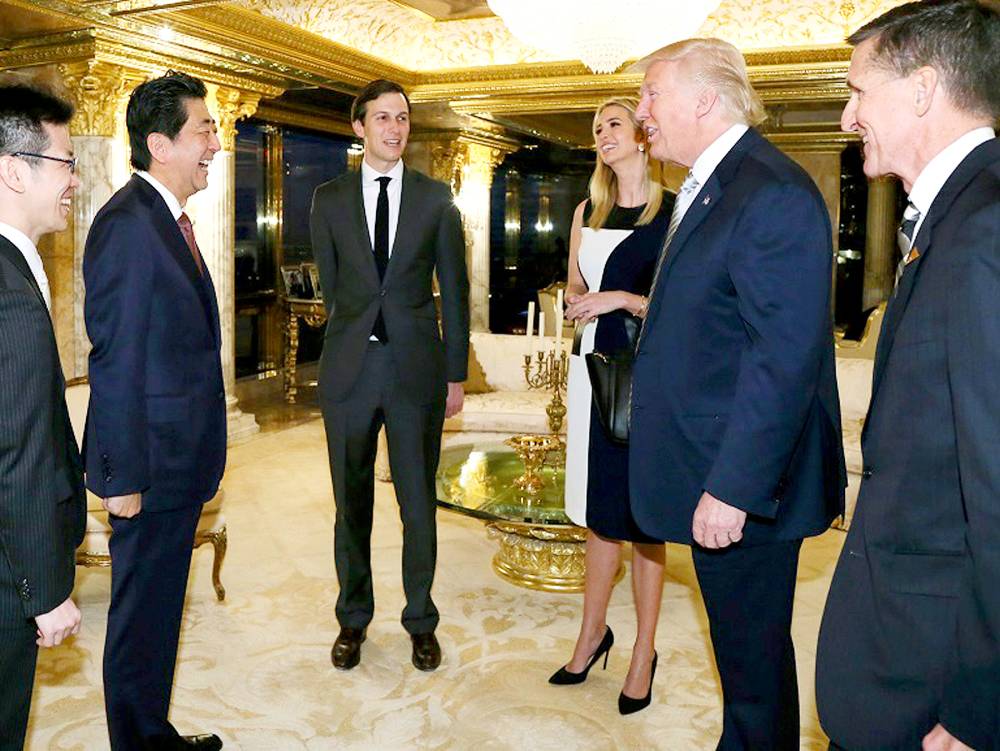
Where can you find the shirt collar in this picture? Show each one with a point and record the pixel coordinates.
(933, 176)
(21, 242)
(370, 174)
(169, 198)
(709, 159)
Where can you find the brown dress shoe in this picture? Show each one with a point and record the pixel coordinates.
(346, 652)
(426, 651)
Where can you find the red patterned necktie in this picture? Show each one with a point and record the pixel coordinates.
(188, 231)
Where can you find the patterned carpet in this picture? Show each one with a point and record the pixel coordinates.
(256, 668)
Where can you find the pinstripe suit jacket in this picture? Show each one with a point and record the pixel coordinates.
(42, 500)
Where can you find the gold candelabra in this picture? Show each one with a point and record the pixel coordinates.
(533, 450)
(549, 371)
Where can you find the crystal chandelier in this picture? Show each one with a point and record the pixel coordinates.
(602, 35)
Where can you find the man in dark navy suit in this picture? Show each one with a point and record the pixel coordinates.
(735, 443)
(155, 442)
(42, 501)
(909, 647)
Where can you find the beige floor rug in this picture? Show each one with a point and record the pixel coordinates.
(256, 668)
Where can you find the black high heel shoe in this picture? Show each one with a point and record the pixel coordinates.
(563, 677)
(628, 705)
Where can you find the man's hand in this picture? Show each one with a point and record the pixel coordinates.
(717, 524)
(456, 396)
(58, 624)
(940, 739)
(125, 506)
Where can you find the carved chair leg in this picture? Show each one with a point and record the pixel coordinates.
(220, 541)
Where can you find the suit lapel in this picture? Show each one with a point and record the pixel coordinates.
(170, 235)
(969, 167)
(409, 210)
(9, 251)
(709, 196)
(360, 229)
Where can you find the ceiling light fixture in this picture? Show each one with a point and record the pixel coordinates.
(602, 35)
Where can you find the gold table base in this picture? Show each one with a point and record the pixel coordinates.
(546, 557)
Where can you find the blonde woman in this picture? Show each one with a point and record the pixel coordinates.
(614, 242)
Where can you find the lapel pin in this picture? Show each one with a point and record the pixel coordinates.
(708, 200)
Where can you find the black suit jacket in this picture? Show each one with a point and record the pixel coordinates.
(734, 387)
(428, 240)
(157, 418)
(911, 632)
(42, 501)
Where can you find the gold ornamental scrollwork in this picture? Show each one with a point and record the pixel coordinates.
(99, 89)
(233, 105)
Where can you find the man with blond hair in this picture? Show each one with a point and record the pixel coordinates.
(735, 446)
(909, 647)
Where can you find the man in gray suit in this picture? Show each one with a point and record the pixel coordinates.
(42, 501)
(379, 236)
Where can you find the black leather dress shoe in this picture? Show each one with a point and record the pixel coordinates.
(207, 742)
(426, 651)
(346, 652)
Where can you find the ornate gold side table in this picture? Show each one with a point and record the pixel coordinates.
(539, 547)
(314, 314)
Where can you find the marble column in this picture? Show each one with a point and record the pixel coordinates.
(881, 254)
(468, 167)
(213, 213)
(100, 91)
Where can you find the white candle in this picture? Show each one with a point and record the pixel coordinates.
(559, 320)
(531, 324)
(541, 329)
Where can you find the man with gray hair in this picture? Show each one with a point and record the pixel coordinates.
(735, 446)
(909, 648)
(42, 500)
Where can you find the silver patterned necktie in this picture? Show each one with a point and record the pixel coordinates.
(904, 237)
(685, 197)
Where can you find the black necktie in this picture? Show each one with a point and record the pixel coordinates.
(381, 246)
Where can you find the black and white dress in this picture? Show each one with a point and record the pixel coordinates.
(618, 256)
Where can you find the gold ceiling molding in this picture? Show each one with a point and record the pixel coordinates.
(415, 42)
(298, 54)
(120, 48)
(408, 38)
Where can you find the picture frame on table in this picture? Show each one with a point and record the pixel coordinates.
(294, 280)
(311, 273)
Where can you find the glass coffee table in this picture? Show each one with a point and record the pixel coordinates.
(539, 547)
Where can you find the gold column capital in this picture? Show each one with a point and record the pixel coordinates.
(233, 105)
(460, 155)
(98, 89)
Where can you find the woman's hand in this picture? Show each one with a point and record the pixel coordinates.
(587, 307)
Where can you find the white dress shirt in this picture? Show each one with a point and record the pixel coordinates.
(708, 160)
(171, 200)
(369, 191)
(34, 261)
(933, 177)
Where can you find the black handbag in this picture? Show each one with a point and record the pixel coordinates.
(611, 382)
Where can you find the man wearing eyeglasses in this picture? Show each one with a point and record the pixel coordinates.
(42, 501)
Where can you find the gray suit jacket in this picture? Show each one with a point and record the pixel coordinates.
(428, 239)
(42, 501)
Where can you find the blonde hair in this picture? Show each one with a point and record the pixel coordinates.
(718, 65)
(604, 182)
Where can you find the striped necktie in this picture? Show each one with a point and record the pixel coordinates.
(685, 196)
(904, 237)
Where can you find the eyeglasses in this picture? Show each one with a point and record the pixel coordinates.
(71, 163)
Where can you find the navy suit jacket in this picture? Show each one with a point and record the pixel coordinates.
(734, 384)
(157, 418)
(912, 621)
